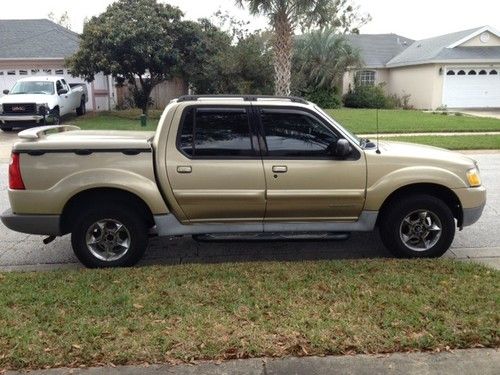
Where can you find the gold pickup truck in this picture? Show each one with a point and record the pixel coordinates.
(223, 166)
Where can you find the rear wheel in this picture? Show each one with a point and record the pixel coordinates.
(80, 111)
(420, 226)
(109, 236)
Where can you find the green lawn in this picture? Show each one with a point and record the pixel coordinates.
(223, 311)
(459, 142)
(358, 120)
(399, 121)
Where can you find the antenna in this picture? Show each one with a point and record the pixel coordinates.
(378, 149)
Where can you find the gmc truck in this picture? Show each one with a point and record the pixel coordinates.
(223, 167)
(41, 100)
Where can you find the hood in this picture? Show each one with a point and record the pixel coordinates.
(26, 98)
(429, 155)
(89, 139)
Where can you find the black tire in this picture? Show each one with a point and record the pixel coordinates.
(393, 227)
(6, 128)
(80, 111)
(56, 117)
(135, 229)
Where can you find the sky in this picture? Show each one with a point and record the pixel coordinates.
(416, 19)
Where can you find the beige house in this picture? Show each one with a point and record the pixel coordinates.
(458, 70)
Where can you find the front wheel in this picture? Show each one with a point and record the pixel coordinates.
(109, 237)
(420, 226)
(80, 111)
(56, 117)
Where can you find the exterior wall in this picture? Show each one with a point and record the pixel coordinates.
(381, 77)
(100, 98)
(423, 82)
(476, 41)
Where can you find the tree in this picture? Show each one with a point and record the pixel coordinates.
(62, 20)
(286, 15)
(227, 62)
(323, 56)
(134, 41)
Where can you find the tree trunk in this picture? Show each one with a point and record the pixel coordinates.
(283, 46)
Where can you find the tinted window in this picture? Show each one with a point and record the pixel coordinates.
(216, 132)
(296, 134)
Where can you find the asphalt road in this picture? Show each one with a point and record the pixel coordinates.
(479, 242)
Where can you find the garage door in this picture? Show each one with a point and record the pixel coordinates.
(472, 88)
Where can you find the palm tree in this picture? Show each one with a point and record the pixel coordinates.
(323, 56)
(284, 16)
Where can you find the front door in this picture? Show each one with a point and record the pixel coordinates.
(215, 170)
(304, 181)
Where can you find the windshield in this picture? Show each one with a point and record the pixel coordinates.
(346, 132)
(33, 87)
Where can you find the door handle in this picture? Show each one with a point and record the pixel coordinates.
(184, 169)
(280, 168)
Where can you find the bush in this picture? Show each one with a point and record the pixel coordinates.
(364, 96)
(325, 98)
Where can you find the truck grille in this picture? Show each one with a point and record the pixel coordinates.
(20, 108)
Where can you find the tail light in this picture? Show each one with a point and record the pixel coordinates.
(15, 178)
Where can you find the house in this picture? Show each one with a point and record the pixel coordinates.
(39, 47)
(457, 70)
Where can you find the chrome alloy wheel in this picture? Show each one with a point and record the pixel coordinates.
(108, 240)
(420, 230)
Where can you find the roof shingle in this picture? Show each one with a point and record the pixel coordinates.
(35, 39)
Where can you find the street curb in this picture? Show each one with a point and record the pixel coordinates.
(466, 361)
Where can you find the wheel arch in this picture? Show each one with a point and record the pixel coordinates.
(439, 191)
(90, 196)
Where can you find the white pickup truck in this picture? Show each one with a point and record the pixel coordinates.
(40, 101)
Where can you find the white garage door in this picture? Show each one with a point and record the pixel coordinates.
(472, 88)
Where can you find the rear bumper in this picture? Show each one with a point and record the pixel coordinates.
(33, 224)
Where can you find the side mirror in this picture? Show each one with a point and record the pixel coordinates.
(343, 148)
(6, 92)
(62, 92)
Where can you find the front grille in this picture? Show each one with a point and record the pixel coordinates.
(19, 108)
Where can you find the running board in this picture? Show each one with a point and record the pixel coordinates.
(304, 236)
(168, 225)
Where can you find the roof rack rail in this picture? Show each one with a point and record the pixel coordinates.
(247, 98)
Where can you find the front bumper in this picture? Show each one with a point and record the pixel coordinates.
(33, 224)
(471, 215)
(15, 118)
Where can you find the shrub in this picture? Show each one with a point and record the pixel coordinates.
(364, 96)
(325, 98)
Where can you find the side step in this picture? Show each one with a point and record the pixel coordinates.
(292, 236)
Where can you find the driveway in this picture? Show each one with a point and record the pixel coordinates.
(479, 242)
(493, 113)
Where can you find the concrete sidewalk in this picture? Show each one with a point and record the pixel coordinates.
(463, 362)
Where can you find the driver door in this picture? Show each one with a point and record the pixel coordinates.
(305, 182)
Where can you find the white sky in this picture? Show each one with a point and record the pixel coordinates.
(415, 19)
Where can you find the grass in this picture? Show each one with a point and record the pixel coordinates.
(400, 121)
(358, 120)
(223, 311)
(459, 142)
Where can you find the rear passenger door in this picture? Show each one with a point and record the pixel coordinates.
(216, 171)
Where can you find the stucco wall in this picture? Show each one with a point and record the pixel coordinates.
(381, 76)
(476, 41)
(423, 83)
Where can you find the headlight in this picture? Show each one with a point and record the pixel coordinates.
(473, 177)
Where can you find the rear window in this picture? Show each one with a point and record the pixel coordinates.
(215, 132)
